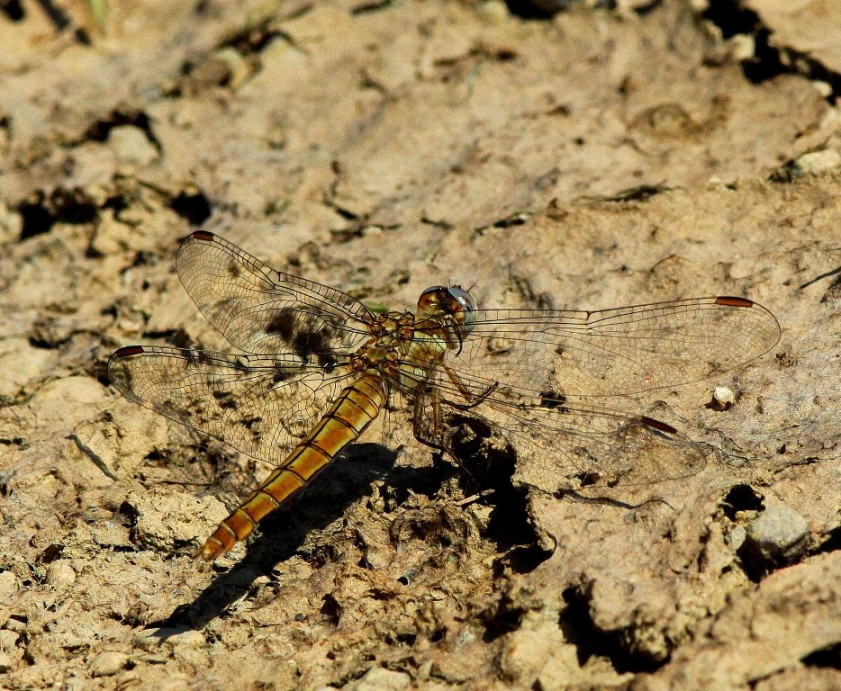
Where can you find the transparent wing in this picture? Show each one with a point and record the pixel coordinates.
(530, 374)
(261, 406)
(626, 350)
(557, 446)
(260, 310)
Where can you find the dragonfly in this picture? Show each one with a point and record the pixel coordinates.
(317, 366)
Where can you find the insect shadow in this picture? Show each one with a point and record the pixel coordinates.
(283, 534)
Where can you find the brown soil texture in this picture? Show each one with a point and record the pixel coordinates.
(593, 158)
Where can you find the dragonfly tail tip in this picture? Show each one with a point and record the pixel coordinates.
(208, 552)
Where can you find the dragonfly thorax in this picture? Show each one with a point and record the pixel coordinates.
(391, 335)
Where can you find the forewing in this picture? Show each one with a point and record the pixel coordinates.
(260, 406)
(627, 350)
(261, 310)
(529, 378)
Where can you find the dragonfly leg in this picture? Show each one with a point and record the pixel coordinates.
(432, 433)
(425, 397)
(472, 399)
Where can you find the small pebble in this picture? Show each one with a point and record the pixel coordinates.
(131, 146)
(736, 537)
(777, 536)
(108, 663)
(15, 624)
(743, 47)
(723, 398)
(174, 684)
(379, 679)
(816, 162)
(8, 639)
(60, 573)
(189, 638)
(8, 585)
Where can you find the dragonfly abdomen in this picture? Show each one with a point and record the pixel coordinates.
(352, 412)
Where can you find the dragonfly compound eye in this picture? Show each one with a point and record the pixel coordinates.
(466, 314)
(453, 301)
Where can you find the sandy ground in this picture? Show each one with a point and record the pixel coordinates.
(593, 159)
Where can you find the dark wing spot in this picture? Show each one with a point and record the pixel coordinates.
(282, 323)
(327, 361)
(281, 373)
(252, 424)
(199, 413)
(306, 334)
(234, 269)
(308, 343)
(224, 399)
(553, 400)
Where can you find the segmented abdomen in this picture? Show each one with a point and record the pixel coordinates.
(347, 418)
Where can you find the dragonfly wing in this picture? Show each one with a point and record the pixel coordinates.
(558, 445)
(261, 310)
(261, 406)
(533, 375)
(627, 350)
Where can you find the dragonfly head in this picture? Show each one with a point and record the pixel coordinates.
(452, 302)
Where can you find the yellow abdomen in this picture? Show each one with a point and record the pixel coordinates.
(350, 414)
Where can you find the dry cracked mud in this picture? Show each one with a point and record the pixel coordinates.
(591, 158)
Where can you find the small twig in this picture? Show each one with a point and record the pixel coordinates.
(474, 497)
(93, 455)
(818, 278)
(574, 495)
